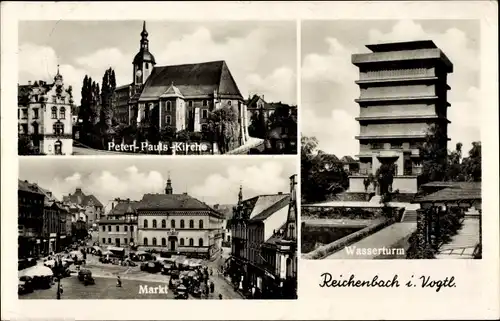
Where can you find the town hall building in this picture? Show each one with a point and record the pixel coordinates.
(44, 116)
(180, 96)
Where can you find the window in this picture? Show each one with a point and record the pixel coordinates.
(109, 240)
(109, 228)
(182, 223)
(145, 241)
(35, 113)
(35, 128)
(200, 242)
(154, 241)
(118, 228)
(125, 228)
(54, 113)
(62, 113)
(191, 224)
(131, 240)
(117, 242)
(103, 240)
(58, 128)
(18, 113)
(163, 224)
(205, 103)
(169, 106)
(191, 242)
(54, 100)
(200, 223)
(229, 103)
(125, 241)
(163, 241)
(145, 223)
(172, 223)
(104, 228)
(182, 242)
(24, 128)
(190, 103)
(154, 223)
(132, 228)
(204, 127)
(204, 113)
(147, 66)
(168, 120)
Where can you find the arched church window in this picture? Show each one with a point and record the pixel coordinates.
(62, 113)
(168, 120)
(169, 106)
(54, 112)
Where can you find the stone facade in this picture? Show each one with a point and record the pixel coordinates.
(403, 91)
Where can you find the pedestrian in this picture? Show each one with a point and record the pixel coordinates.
(118, 282)
(220, 296)
(212, 287)
(253, 292)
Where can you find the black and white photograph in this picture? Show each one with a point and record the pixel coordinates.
(157, 87)
(157, 228)
(391, 140)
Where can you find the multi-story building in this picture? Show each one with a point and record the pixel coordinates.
(258, 221)
(119, 227)
(30, 219)
(180, 96)
(44, 116)
(403, 91)
(93, 207)
(178, 224)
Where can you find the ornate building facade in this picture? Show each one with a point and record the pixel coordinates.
(119, 227)
(180, 96)
(403, 90)
(45, 116)
(178, 224)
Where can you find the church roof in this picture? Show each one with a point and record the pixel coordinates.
(172, 91)
(123, 208)
(192, 80)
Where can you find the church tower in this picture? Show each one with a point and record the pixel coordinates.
(143, 62)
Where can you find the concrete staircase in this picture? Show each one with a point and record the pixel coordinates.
(409, 216)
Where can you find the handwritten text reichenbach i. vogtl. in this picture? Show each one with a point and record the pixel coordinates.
(329, 281)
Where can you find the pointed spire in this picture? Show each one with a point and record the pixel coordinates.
(240, 195)
(168, 188)
(144, 32)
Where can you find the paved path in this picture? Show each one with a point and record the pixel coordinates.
(387, 238)
(337, 222)
(462, 244)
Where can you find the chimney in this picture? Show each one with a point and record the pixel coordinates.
(29, 82)
(49, 193)
(128, 200)
(112, 205)
(78, 190)
(216, 206)
(185, 193)
(280, 193)
(263, 98)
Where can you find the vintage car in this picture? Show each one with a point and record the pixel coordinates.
(167, 268)
(85, 276)
(151, 266)
(181, 292)
(25, 285)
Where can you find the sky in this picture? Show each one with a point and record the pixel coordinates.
(261, 55)
(328, 76)
(211, 180)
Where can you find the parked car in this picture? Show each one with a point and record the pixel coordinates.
(166, 269)
(151, 266)
(181, 292)
(25, 285)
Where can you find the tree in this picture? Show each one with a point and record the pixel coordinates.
(472, 164)
(107, 94)
(385, 178)
(434, 155)
(321, 174)
(454, 170)
(223, 123)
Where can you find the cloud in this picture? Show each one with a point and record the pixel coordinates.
(328, 88)
(265, 178)
(105, 185)
(242, 54)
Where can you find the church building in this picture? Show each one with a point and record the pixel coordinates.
(44, 116)
(181, 96)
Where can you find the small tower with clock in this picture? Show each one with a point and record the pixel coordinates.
(143, 62)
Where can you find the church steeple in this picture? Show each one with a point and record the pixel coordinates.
(143, 62)
(291, 221)
(168, 189)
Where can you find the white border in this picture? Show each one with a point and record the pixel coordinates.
(477, 294)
